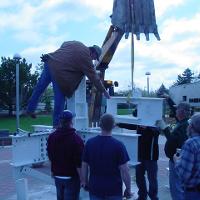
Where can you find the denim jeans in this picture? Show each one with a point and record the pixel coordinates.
(67, 189)
(151, 168)
(93, 197)
(59, 99)
(175, 185)
(191, 195)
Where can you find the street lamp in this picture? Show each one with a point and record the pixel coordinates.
(148, 74)
(17, 58)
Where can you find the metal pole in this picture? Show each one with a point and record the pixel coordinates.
(17, 96)
(132, 45)
(148, 74)
(132, 61)
(17, 58)
(148, 85)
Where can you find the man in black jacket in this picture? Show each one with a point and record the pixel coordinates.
(148, 154)
(175, 140)
(64, 149)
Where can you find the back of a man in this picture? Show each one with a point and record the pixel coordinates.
(70, 63)
(187, 164)
(107, 160)
(175, 140)
(64, 149)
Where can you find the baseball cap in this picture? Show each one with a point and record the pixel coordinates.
(97, 50)
(67, 115)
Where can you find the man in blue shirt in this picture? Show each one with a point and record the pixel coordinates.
(107, 160)
(188, 164)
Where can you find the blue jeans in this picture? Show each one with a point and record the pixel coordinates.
(175, 185)
(191, 195)
(151, 168)
(67, 189)
(93, 197)
(59, 99)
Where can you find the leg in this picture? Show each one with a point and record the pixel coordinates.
(152, 170)
(72, 189)
(59, 188)
(175, 185)
(42, 84)
(59, 103)
(141, 182)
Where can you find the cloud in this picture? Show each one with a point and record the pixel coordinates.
(41, 26)
(173, 27)
(161, 6)
(98, 8)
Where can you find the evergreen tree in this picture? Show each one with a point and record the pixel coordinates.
(186, 77)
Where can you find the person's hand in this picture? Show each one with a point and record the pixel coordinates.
(177, 155)
(160, 124)
(176, 158)
(128, 194)
(106, 94)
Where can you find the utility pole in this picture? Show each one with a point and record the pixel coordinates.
(17, 58)
(148, 74)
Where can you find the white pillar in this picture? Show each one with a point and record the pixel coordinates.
(22, 189)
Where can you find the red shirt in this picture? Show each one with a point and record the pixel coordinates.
(65, 149)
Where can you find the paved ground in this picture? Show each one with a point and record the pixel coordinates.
(41, 191)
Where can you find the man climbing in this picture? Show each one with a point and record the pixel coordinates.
(65, 68)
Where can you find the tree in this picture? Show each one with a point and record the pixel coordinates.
(162, 90)
(46, 98)
(8, 83)
(186, 77)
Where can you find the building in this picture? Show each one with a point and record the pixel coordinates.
(189, 93)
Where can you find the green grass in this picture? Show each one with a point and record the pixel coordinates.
(124, 111)
(25, 122)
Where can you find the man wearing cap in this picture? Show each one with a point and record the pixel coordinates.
(175, 140)
(64, 149)
(187, 164)
(65, 68)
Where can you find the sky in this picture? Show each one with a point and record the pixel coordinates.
(35, 27)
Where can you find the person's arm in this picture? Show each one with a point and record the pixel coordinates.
(78, 151)
(184, 165)
(127, 126)
(79, 173)
(84, 174)
(90, 72)
(126, 178)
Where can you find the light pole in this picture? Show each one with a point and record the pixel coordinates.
(148, 74)
(17, 58)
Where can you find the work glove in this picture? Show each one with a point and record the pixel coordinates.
(160, 124)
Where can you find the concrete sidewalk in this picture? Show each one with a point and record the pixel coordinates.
(41, 191)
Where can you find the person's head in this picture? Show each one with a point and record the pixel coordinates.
(183, 111)
(194, 125)
(107, 123)
(66, 119)
(95, 52)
